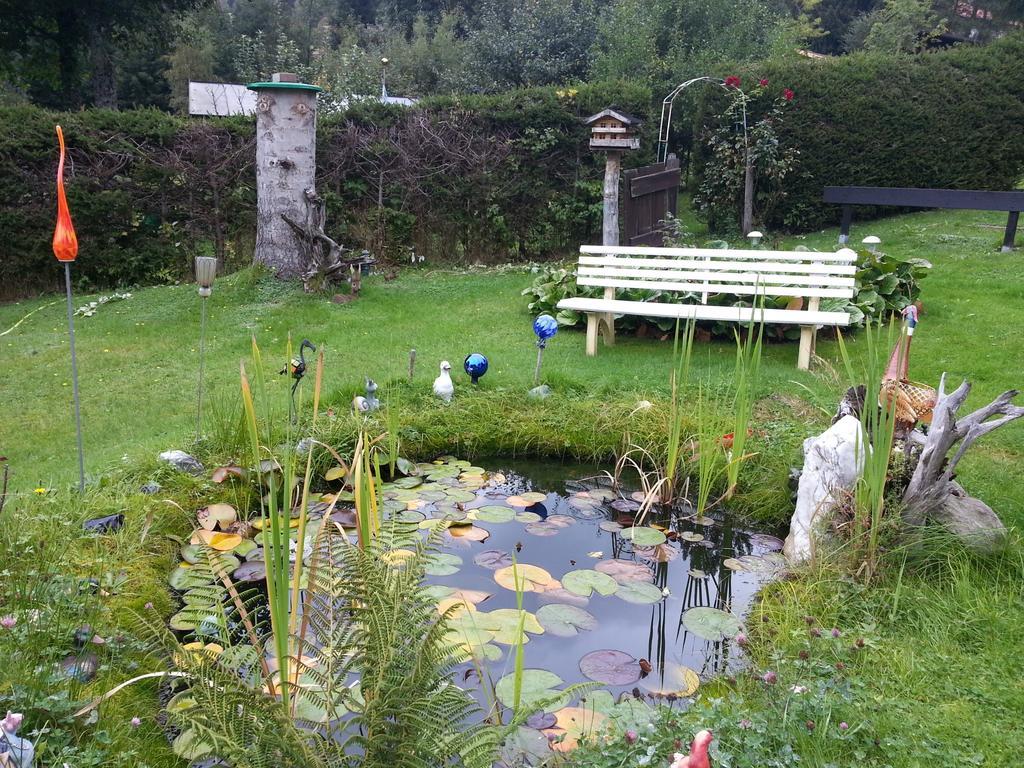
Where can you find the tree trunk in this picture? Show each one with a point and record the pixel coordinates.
(748, 196)
(285, 170)
(104, 80)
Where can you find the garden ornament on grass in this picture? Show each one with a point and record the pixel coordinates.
(296, 368)
(911, 402)
(15, 751)
(475, 365)
(545, 326)
(443, 386)
(369, 403)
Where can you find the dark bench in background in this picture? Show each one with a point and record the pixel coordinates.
(963, 199)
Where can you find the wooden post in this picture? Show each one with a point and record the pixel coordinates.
(1011, 231)
(747, 223)
(808, 335)
(844, 225)
(285, 170)
(609, 236)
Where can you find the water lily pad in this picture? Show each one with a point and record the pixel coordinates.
(244, 548)
(704, 520)
(181, 701)
(493, 559)
(335, 473)
(671, 680)
(644, 536)
(528, 517)
(460, 496)
(189, 746)
(625, 570)
(469, 532)
(518, 501)
(533, 497)
(185, 578)
(531, 578)
(216, 516)
(222, 542)
(691, 536)
(193, 553)
(640, 592)
(663, 553)
(408, 482)
(536, 686)
(733, 564)
(504, 623)
(711, 623)
(543, 528)
(442, 564)
(492, 513)
(251, 570)
(767, 541)
(438, 591)
(625, 505)
(610, 667)
(562, 521)
(558, 594)
(601, 494)
(585, 581)
(565, 620)
(574, 724)
(610, 526)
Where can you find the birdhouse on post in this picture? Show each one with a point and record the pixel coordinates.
(613, 133)
(611, 129)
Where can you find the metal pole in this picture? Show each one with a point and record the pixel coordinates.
(536, 371)
(202, 361)
(74, 379)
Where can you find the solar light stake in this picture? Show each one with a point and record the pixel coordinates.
(206, 271)
(65, 248)
(544, 327)
(74, 378)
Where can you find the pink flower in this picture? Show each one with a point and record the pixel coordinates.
(12, 722)
(8, 621)
(136, 722)
(745, 724)
(843, 726)
(741, 640)
(770, 677)
(836, 632)
(787, 94)
(798, 689)
(763, 82)
(631, 737)
(148, 606)
(732, 81)
(810, 725)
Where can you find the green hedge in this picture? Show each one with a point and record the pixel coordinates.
(946, 119)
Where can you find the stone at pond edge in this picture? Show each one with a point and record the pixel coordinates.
(182, 462)
(831, 468)
(971, 520)
(540, 393)
(107, 524)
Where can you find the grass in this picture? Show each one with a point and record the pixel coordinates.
(943, 672)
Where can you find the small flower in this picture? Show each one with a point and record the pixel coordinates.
(804, 655)
(815, 632)
(763, 82)
(8, 621)
(844, 726)
(741, 640)
(840, 666)
(732, 81)
(809, 620)
(787, 94)
(40, 491)
(836, 632)
(798, 689)
(136, 722)
(745, 724)
(631, 737)
(860, 642)
(148, 606)
(810, 725)
(677, 744)
(770, 677)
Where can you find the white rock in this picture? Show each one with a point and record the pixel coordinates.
(832, 464)
(182, 462)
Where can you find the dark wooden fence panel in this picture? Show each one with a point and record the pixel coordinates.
(651, 192)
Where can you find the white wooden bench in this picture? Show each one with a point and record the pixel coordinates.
(807, 275)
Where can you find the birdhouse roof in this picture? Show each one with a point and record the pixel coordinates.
(622, 117)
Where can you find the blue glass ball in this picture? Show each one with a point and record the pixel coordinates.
(475, 365)
(545, 327)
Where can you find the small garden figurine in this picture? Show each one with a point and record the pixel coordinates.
(475, 365)
(369, 403)
(443, 386)
(15, 751)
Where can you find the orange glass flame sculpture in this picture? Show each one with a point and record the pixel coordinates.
(65, 241)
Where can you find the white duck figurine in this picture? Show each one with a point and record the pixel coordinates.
(443, 386)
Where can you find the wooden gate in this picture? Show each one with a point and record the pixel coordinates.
(651, 192)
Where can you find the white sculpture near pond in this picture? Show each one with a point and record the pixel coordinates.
(15, 751)
(832, 463)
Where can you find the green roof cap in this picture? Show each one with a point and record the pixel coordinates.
(283, 86)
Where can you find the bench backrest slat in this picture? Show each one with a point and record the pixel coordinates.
(712, 288)
(639, 250)
(724, 266)
(586, 273)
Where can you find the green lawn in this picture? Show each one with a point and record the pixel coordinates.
(942, 677)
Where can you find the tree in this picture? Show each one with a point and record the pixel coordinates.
(897, 26)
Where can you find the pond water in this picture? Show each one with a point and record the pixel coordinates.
(704, 562)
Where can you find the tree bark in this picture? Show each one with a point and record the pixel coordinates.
(933, 479)
(104, 79)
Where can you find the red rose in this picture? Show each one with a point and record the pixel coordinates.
(787, 94)
(763, 82)
(732, 81)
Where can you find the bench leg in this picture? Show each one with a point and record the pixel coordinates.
(807, 339)
(607, 327)
(593, 320)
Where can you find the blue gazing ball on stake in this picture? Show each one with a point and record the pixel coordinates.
(545, 327)
(475, 365)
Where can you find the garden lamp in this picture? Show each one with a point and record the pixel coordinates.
(65, 248)
(872, 242)
(755, 238)
(206, 271)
